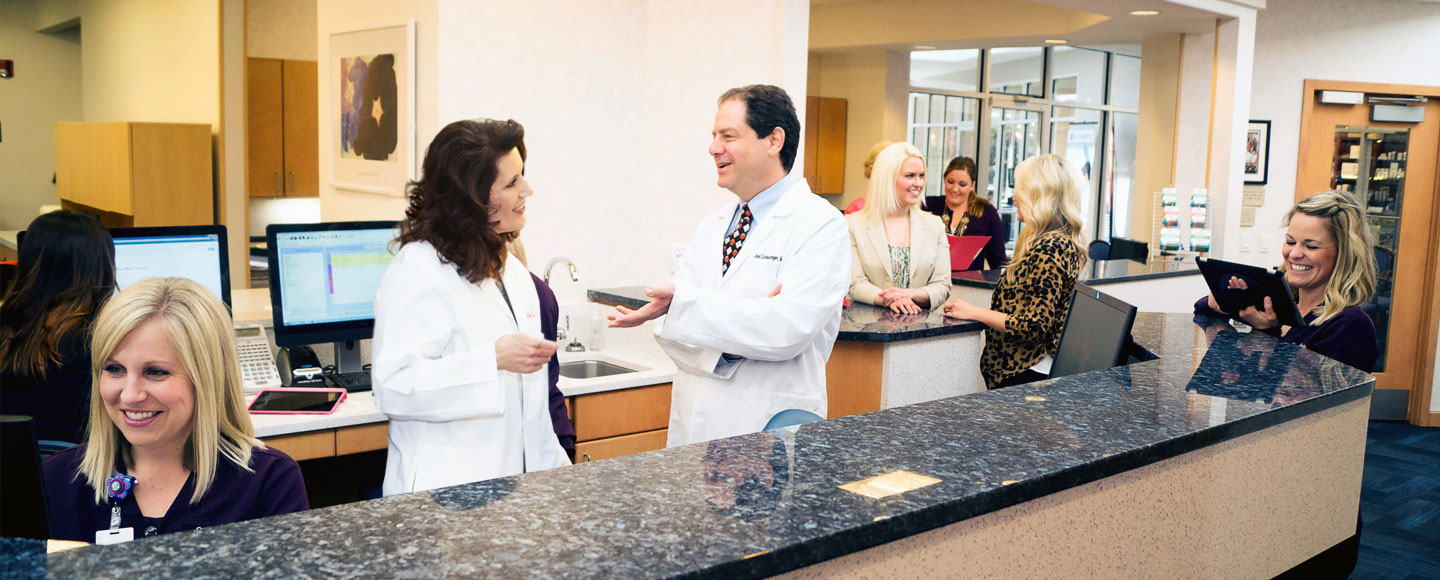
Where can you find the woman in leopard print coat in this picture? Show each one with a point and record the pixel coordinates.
(1030, 302)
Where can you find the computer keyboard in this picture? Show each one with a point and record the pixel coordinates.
(351, 382)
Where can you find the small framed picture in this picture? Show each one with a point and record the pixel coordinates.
(1257, 152)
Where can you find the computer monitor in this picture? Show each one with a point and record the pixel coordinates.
(1127, 249)
(195, 252)
(1095, 334)
(22, 483)
(323, 279)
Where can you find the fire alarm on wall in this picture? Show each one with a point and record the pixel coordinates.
(7, 69)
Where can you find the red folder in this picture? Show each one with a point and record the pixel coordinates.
(964, 250)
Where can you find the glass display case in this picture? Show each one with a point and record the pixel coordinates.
(1370, 161)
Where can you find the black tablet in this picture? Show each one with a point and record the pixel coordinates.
(1259, 282)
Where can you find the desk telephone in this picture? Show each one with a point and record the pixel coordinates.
(257, 369)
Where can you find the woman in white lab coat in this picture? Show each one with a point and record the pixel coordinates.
(459, 358)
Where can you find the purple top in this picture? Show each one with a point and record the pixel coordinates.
(1348, 337)
(988, 224)
(559, 416)
(275, 487)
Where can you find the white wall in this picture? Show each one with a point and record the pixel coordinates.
(282, 29)
(151, 60)
(618, 100)
(45, 89)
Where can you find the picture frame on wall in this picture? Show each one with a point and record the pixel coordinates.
(1257, 152)
(371, 112)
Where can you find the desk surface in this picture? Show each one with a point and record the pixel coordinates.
(1094, 273)
(669, 513)
(358, 409)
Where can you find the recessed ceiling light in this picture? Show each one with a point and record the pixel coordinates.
(924, 47)
(1144, 12)
(1056, 41)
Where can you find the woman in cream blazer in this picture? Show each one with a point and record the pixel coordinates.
(901, 259)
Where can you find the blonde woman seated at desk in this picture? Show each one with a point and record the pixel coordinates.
(901, 257)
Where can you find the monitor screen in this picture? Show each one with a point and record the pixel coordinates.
(1095, 334)
(194, 252)
(323, 279)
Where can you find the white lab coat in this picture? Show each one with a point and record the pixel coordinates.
(454, 416)
(802, 244)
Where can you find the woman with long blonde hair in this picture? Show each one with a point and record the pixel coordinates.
(1328, 258)
(170, 444)
(1028, 307)
(900, 257)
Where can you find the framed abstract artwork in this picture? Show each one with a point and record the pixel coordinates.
(372, 108)
(1257, 152)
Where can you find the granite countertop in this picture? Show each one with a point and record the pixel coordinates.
(860, 322)
(1094, 273)
(705, 510)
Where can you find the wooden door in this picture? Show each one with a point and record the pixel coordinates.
(824, 134)
(1409, 344)
(302, 174)
(264, 128)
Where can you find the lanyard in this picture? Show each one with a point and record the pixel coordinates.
(118, 488)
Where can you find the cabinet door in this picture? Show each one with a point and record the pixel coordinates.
(620, 446)
(621, 412)
(830, 156)
(302, 175)
(265, 162)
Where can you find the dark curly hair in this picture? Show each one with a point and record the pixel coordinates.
(766, 108)
(449, 205)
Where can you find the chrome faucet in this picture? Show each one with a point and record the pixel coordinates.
(574, 274)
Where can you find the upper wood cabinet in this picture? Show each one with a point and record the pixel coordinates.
(137, 174)
(825, 144)
(282, 128)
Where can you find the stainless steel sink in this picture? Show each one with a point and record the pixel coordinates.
(589, 369)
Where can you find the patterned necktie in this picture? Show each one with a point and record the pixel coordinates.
(735, 239)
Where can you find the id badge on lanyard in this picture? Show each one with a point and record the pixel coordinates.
(117, 488)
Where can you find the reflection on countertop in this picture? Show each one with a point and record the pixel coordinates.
(859, 322)
(1094, 273)
(769, 502)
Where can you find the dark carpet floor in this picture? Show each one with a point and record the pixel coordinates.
(1400, 503)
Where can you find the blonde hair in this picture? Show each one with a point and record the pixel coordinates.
(1047, 193)
(200, 328)
(1352, 282)
(882, 199)
(870, 157)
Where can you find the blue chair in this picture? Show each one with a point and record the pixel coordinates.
(1099, 250)
(791, 417)
(50, 447)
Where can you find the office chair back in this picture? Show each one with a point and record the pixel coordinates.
(1099, 250)
(1127, 249)
(1095, 335)
(22, 484)
(791, 417)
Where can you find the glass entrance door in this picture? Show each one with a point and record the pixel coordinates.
(1014, 137)
(1371, 161)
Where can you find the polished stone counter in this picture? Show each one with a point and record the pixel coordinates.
(859, 322)
(1094, 273)
(771, 502)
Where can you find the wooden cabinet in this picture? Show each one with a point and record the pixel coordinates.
(825, 144)
(137, 174)
(623, 422)
(282, 128)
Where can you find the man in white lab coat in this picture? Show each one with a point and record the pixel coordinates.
(753, 310)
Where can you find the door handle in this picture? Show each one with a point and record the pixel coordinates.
(278, 187)
(587, 457)
(292, 182)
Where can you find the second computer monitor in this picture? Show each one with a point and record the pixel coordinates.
(323, 279)
(1095, 334)
(195, 252)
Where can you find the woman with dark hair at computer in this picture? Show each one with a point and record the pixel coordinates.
(965, 213)
(1028, 307)
(1328, 258)
(66, 272)
(459, 351)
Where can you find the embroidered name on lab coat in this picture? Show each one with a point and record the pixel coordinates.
(769, 257)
